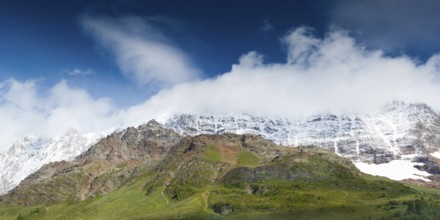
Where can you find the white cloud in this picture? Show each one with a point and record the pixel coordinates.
(25, 109)
(81, 72)
(142, 52)
(331, 74)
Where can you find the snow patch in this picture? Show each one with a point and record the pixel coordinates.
(436, 154)
(395, 170)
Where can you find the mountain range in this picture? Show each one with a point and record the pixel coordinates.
(153, 172)
(397, 136)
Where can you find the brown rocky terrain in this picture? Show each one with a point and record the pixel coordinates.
(104, 167)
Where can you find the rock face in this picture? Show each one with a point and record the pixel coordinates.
(29, 154)
(380, 137)
(102, 168)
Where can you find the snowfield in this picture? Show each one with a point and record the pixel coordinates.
(395, 170)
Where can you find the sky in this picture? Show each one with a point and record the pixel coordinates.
(106, 64)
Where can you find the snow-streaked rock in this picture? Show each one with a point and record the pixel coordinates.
(379, 137)
(30, 153)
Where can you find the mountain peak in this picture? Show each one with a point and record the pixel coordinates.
(29, 154)
(102, 168)
(153, 123)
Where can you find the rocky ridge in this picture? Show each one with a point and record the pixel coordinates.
(152, 172)
(391, 133)
(397, 131)
(99, 170)
(30, 153)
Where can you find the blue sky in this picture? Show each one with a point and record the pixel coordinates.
(94, 65)
(44, 39)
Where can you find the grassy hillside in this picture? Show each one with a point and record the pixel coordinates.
(246, 177)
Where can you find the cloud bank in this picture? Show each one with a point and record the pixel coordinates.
(332, 74)
(320, 75)
(142, 51)
(25, 110)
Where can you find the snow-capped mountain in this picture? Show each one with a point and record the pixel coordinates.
(369, 140)
(30, 153)
(377, 138)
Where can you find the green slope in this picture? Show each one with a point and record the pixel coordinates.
(227, 177)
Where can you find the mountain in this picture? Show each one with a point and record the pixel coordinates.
(152, 172)
(99, 169)
(393, 133)
(30, 153)
(399, 136)
(379, 137)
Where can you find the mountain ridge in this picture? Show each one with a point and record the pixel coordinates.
(153, 172)
(397, 132)
(388, 132)
(89, 174)
(30, 153)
